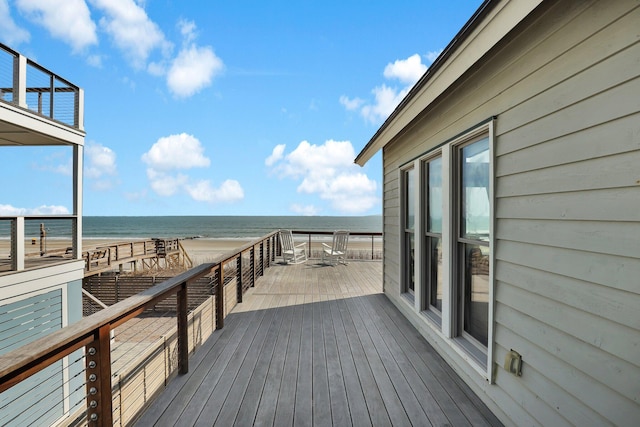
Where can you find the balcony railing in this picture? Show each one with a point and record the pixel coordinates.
(80, 355)
(25, 84)
(29, 241)
(316, 238)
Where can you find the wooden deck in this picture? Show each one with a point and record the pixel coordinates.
(317, 345)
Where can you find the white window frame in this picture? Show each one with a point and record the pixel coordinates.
(425, 307)
(445, 323)
(412, 295)
(481, 361)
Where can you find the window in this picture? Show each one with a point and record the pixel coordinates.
(473, 212)
(446, 223)
(409, 234)
(433, 276)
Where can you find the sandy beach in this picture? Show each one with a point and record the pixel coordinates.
(199, 250)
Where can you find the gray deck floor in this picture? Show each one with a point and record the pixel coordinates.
(317, 345)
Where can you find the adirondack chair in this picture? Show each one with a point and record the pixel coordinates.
(295, 254)
(337, 252)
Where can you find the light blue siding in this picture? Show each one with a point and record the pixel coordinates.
(22, 322)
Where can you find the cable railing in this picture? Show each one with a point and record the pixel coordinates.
(35, 241)
(316, 238)
(26, 84)
(82, 374)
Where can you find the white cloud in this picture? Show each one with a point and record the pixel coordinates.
(328, 171)
(408, 71)
(131, 29)
(8, 210)
(10, 33)
(307, 210)
(192, 70)
(135, 196)
(386, 97)
(386, 100)
(165, 184)
(95, 61)
(311, 160)
(351, 104)
(203, 191)
(276, 155)
(181, 151)
(352, 192)
(57, 162)
(157, 69)
(187, 29)
(68, 20)
(433, 55)
(100, 161)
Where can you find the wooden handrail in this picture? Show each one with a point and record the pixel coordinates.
(37, 355)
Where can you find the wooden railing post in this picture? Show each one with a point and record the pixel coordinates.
(183, 330)
(268, 261)
(372, 246)
(98, 374)
(262, 258)
(239, 278)
(253, 266)
(220, 299)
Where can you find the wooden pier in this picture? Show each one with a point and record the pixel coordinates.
(142, 255)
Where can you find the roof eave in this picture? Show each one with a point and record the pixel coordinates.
(385, 134)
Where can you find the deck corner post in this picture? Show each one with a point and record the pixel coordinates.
(98, 374)
(183, 330)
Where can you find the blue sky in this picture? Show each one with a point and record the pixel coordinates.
(222, 107)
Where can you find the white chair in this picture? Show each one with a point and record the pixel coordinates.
(337, 252)
(295, 254)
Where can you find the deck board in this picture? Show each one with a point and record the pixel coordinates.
(319, 346)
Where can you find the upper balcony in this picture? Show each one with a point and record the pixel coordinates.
(37, 107)
(41, 114)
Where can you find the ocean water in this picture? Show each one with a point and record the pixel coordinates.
(211, 227)
(110, 227)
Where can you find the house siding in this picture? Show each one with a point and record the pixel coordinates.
(30, 309)
(564, 87)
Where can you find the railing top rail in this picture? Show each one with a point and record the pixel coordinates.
(226, 256)
(35, 64)
(41, 217)
(51, 73)
(330, 233)
(75, 336)
(8, 49)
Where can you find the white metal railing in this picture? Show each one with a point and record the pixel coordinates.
(26, 84)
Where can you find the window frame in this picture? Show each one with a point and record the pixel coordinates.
(471, 349)
(427, 235)
(470, 343)
(408, 270)
(445, 324)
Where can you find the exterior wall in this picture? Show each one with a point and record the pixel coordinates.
(564, 87)
(35, 303)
